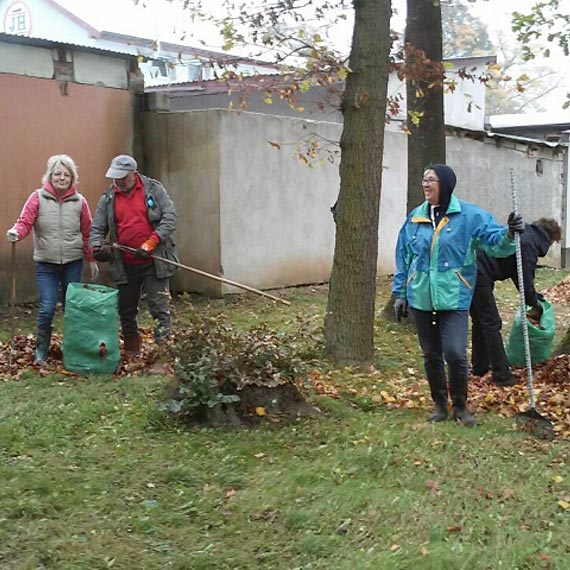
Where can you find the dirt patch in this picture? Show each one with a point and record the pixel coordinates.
(257, 404)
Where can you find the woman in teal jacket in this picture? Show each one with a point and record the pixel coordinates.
(436, 270)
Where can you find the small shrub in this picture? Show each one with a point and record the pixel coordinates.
(214, 362)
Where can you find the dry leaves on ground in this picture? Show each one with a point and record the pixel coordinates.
(551, 381)
(559, 293)
(406, 390)
(17, 358)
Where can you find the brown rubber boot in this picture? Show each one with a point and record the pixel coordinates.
(133, 345)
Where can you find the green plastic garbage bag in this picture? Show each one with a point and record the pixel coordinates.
(91, 329)
(540, 338)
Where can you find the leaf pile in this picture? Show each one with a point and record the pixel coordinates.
(559, 293)
(551, 381)
(21, 357)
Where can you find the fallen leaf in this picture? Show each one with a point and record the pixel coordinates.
(432, 486)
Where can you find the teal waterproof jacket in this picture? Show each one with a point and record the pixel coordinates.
(436, 268)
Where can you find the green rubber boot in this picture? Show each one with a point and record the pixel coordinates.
(43, 337)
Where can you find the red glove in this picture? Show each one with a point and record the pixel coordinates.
(147, 247)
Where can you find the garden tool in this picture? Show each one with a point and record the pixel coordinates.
(12, 305)
(203, 273)
(530, 420)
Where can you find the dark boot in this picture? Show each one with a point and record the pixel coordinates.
(43, 337)
(439, 414)
(438, 390)
(504, 378)
(464, 416)
(458, 390)
(133, 345)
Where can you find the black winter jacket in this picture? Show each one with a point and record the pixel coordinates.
(535, 242)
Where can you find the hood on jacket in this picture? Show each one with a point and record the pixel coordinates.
(447, 181)
(61, 197)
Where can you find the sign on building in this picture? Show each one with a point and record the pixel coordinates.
(17, 19)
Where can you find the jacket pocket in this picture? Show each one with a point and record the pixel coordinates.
(411, 278)
(465, 282)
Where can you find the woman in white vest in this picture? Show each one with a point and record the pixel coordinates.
(61, 220)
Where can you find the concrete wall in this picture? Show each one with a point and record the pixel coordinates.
(182, 151)
(253, 212)
(483, 173)
(275, 210)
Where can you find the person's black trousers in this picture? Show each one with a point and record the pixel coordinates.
(143, 279)
(443, 338)
(487, 348)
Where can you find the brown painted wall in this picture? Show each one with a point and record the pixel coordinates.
(91, 124)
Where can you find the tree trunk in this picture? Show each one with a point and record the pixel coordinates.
(349, 321)
(424, 97)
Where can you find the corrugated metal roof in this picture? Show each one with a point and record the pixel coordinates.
(47, 42)
(545, 119)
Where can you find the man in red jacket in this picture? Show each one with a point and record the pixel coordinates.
(136, 211)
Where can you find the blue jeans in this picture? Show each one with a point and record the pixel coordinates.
(443, 338)
(49, 277)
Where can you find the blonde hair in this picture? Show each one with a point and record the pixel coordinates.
(63, 160)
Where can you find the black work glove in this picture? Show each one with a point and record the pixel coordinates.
(401, 308)
(146, 248)
(536, 312)
(516, 225)
(142, 252)
(102, 252)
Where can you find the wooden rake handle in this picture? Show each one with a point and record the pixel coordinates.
(205, 274)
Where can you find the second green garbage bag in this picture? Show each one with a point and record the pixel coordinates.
(540, 338)
(91, 329)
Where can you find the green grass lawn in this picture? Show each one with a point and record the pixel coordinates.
(93, 476)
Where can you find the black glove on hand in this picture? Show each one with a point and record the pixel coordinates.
(401, 308)
(144, 253)
(516, 225)
(536, 312)
(102, 252)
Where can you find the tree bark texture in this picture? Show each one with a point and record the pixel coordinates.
(349, 320)
(426, 143)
